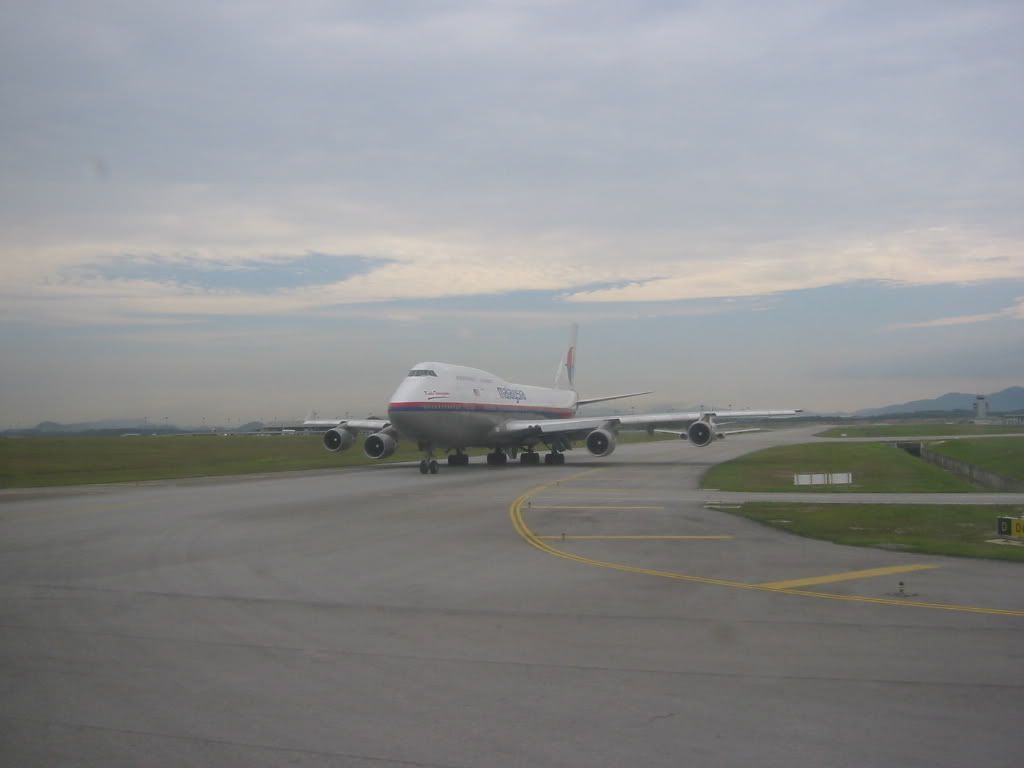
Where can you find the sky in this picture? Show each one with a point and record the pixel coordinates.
(252, 210)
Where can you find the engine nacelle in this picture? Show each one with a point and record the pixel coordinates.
(700, 433)
(379, 445)
(338, 439)
(601, 442)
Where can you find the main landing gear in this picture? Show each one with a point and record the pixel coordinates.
(497, 458)
(532, 458)
(458, 459)
(529, 458)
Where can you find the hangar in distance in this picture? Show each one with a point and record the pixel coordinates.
(449, 408)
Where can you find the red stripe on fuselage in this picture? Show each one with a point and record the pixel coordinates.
(447, 405)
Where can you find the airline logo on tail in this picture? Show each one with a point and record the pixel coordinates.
(565, 375)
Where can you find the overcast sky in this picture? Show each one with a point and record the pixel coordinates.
(245, 210)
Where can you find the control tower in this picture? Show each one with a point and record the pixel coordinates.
(980, 408)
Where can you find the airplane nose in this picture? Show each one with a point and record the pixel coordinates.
(400, 395)
(405, 393)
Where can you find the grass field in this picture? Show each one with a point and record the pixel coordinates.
(1004, 456)
(920, 429)
(876, 467)
(39, 461)
(42, 461)
(935, 529)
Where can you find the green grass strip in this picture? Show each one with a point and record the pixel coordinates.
(43, 461)
(49, 461)
(876, 468)
(948, 529)
(1002, 455)
(921, 429)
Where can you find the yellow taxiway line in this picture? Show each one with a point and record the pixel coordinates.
(588, 506)
(634, 538)
(868, 573)
(618, 490)
(516, 513)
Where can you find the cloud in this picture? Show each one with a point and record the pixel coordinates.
(1013, 312)
(235, 278)
(634, 154)
(929, 257)
(201, 203)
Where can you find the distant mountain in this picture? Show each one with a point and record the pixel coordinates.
(1010, 399)
(53, 427)
(101, 427)
(119, 426)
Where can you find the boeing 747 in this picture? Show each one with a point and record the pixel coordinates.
(449, 408)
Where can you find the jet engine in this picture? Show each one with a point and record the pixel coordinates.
(700, 433)
(338, 439)
(601, 442)
(379, 445)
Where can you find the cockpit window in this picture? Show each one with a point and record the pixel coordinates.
(421, 372)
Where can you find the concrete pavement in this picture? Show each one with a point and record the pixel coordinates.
(380, 617)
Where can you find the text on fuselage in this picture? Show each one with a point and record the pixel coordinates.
(511, 394)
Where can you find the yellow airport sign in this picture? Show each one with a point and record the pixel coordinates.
(1010, 527)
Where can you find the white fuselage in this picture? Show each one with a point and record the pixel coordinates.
(453, 406)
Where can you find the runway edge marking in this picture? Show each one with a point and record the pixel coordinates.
(531, 538)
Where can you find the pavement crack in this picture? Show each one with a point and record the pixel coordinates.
(655, 718)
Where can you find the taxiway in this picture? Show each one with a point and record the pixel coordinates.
(596, 614)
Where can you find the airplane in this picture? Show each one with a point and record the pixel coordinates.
(445, 407)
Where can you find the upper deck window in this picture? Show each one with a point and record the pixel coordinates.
(421, 372)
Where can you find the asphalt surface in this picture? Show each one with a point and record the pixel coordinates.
(378, 617)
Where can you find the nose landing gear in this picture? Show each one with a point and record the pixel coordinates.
(429, 464)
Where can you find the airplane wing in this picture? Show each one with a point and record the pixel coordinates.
(723, 432)
(645, 421)
(652, 422)
(590, 400)
(564, 427)
(353, 425)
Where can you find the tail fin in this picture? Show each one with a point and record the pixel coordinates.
(565, 377)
